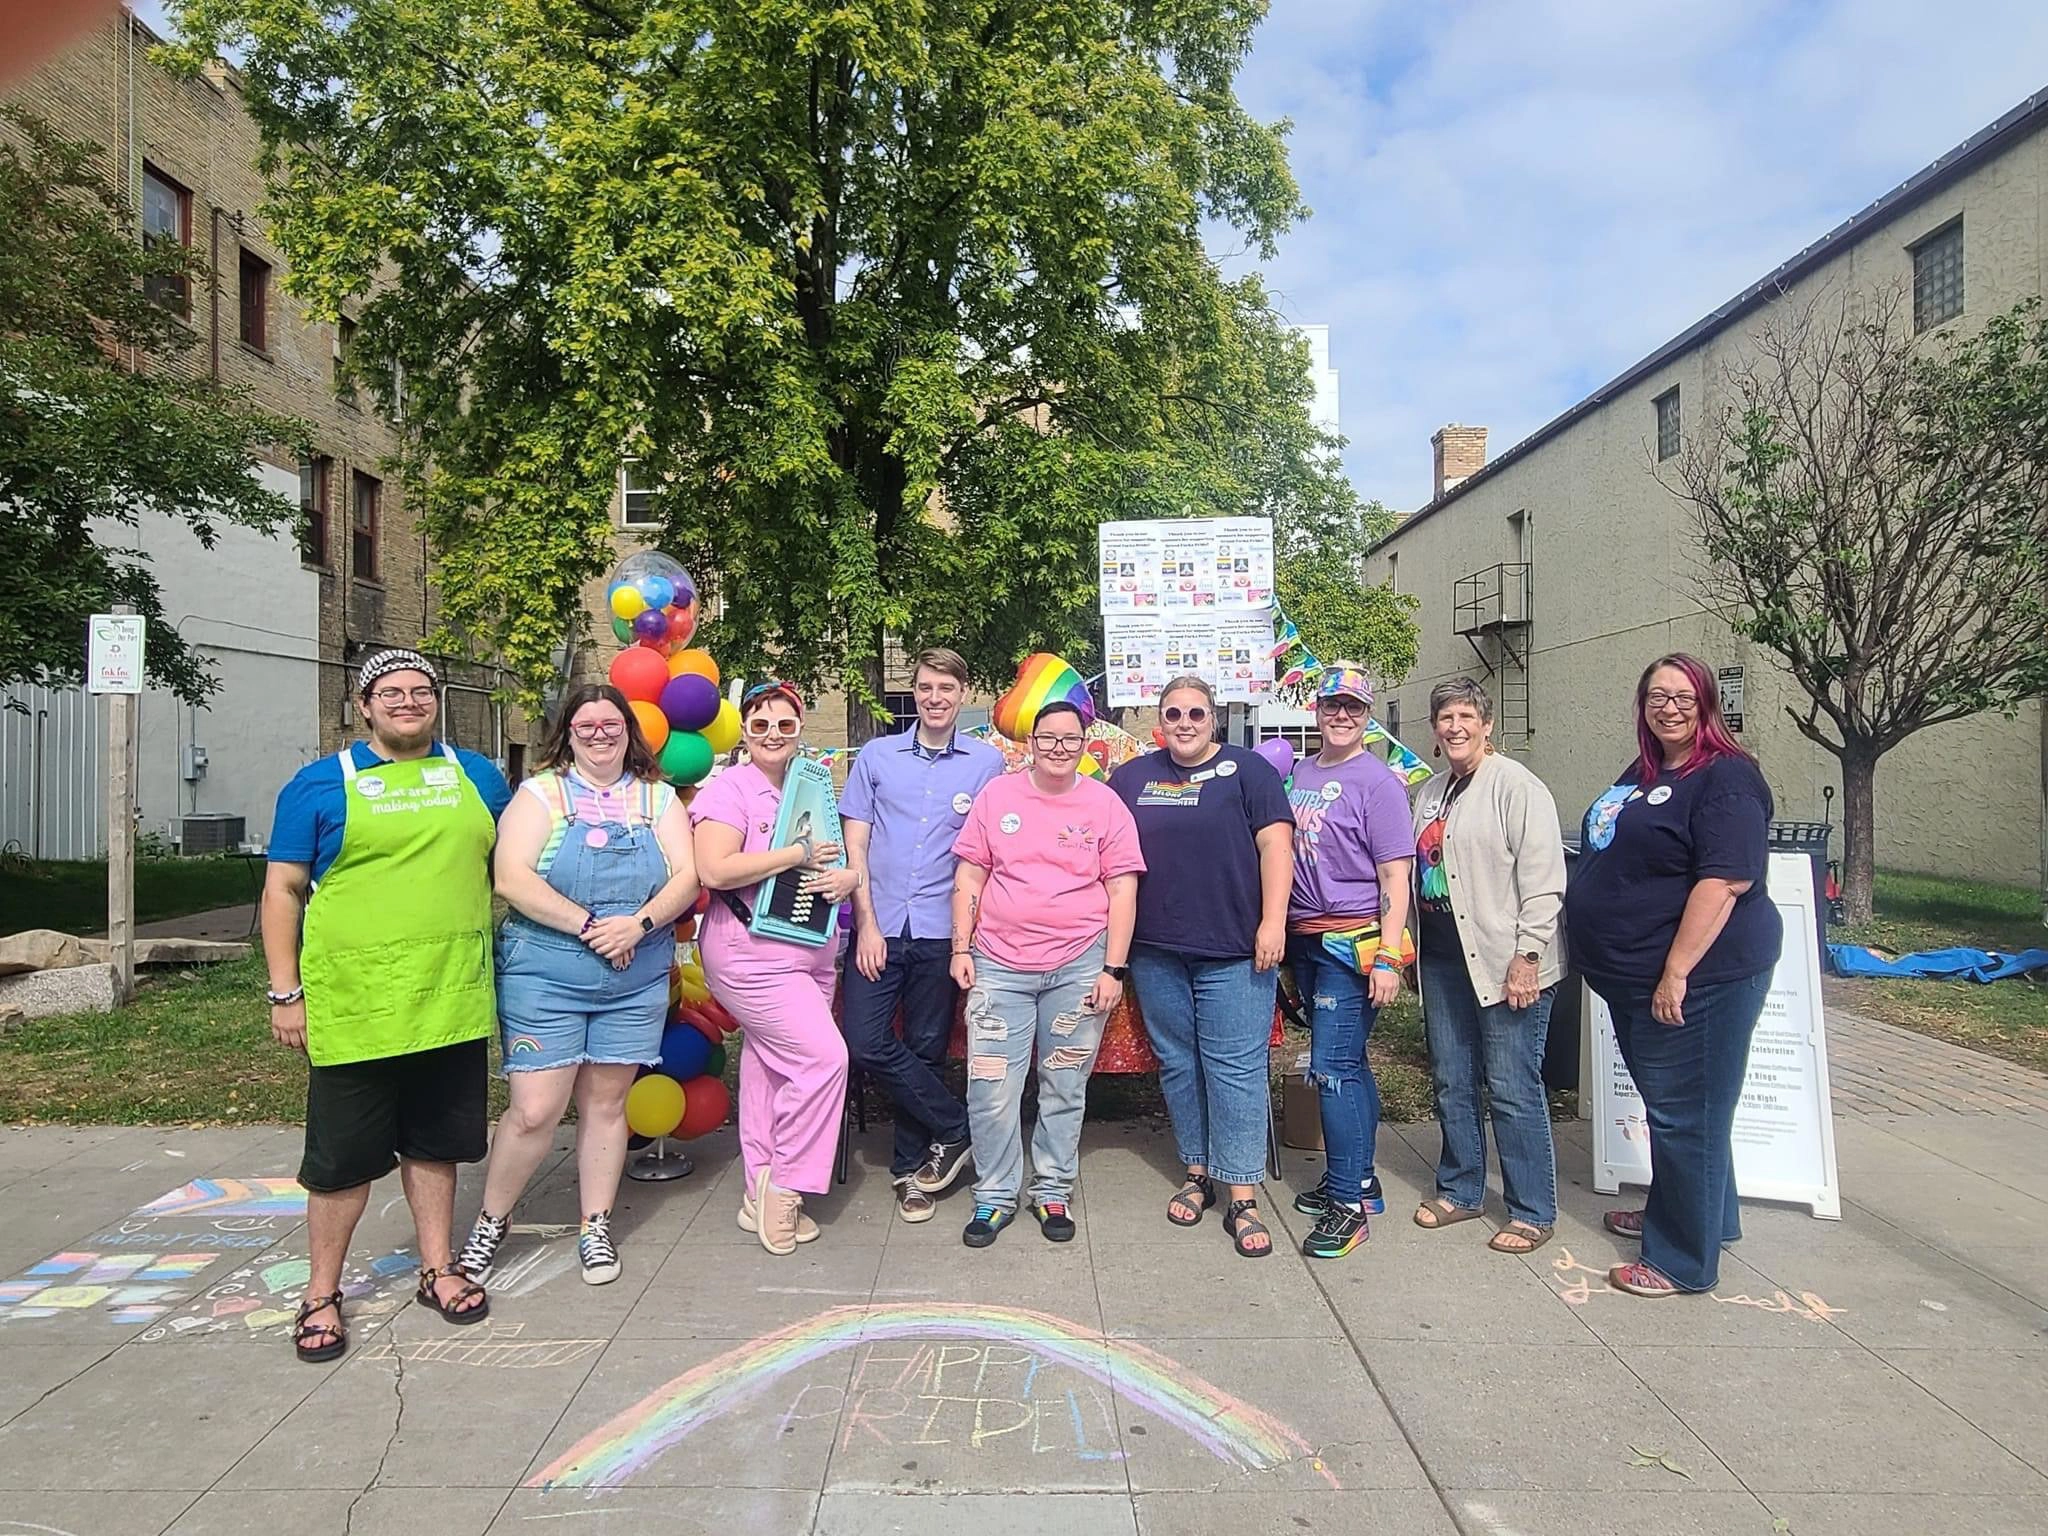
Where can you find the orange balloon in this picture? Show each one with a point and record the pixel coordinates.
(693, 660)
(653, 723)
(640, 674)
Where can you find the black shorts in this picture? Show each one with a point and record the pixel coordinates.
(361, 1117)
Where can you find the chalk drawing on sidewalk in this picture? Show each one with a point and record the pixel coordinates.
(1232, 1430)
(1576, 1284)
(503, 1347)
(229, 1197)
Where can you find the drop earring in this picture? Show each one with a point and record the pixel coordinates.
(1437, 750)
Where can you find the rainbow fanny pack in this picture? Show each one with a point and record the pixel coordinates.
(1359, 947)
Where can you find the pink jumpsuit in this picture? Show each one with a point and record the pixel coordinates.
(792, 1056)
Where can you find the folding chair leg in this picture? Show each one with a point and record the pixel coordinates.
(845, 1155)
(1272, 1145)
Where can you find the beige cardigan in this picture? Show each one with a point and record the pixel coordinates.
(1505, 859)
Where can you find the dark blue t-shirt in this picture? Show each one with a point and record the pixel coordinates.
(1200, 890)
(1644, 851)
(306, 828)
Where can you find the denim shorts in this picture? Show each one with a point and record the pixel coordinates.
(561, 1004)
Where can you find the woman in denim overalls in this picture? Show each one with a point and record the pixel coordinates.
(594, 858)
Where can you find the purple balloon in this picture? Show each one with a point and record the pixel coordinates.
(651, 624)
(1280, 753)
(690, 701)
(685, 590)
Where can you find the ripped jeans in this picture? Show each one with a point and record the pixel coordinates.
(1009, 1013)
(1340, 1015)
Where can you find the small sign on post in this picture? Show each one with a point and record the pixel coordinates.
(114, 667)
(1730, 680)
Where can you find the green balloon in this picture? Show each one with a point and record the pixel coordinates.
(685, 757)
(623, 630)
(714, 1064)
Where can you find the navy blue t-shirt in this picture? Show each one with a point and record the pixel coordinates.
(1644, 851)
(1200, 894)
(306, 827)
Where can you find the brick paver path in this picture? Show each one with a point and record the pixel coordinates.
(1880, 1069)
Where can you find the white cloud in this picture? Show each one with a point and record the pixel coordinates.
(1516, 199)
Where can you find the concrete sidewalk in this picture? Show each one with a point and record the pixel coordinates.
(1882, 1376)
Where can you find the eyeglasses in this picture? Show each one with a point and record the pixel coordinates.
(783, 727)
(1173, 714)
(1342, 706)
(390, 696)
(598, 730)
(1060, 745)
(1658, 698)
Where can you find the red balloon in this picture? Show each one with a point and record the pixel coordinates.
(640, 674)
(682, 623)
(1158, 737)
(694, 1015)
(705, 1106)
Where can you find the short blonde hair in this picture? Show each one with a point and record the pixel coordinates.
(1189, 680)
(947, 663)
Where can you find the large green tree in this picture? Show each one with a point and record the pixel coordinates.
(101, 423)
(1322, 587)
(895, 299)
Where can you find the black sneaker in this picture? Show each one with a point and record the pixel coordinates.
(942, 1165)
(1371, 1198)
(481, 1251)
(1054, 1221)
(987, 1226)
(1337, 1231)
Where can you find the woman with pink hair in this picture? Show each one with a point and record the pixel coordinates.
(1668, 920)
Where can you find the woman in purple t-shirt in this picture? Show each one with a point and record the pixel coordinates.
(1354, 850)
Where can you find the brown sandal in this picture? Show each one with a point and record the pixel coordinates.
(335, 1334)
(1522, 1237)
(452, 1310)
(1433, 1214)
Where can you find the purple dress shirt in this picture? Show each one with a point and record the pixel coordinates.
(915, 801)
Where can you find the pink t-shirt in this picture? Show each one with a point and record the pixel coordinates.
(743, 798)
(1049, 858)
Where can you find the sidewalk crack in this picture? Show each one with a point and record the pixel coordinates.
(397, 1428)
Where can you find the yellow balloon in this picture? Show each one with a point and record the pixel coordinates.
(627, 603)
(693, 992)
(724, 732)
(654, 1105)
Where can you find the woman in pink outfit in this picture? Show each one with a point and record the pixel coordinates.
(792, 1056)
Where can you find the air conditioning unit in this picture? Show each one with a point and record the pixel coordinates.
(214, 832)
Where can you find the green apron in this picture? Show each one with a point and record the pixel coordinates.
(396, 956)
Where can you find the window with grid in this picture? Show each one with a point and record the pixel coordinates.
(316, 481)
(1305, 739)
(1667, 424)
(255, 300)
(166, 219)
(636, 497)
(1938, 277)
(901, 708)
(366, 491)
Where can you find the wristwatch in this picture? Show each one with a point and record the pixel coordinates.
(1532, 957)
(1116, 972)
(646, 924)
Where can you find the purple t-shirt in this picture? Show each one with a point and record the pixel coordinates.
(1348, 820)
(915, 801)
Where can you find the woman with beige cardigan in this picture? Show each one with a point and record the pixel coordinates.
(1490, 892)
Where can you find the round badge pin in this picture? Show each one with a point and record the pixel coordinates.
(1011, 822)
(1660, 794)
(596, 837)
(369, 786)
(1332, 790)
(1225, 769)
(962, 803)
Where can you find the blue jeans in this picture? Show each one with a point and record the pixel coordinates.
(1011, 1014)
(1210, 1021)
(1690, 1078)
(908, 1067)
(1500, 1050)
(1340, 1016)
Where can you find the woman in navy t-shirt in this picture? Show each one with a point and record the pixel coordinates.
(1668, 920)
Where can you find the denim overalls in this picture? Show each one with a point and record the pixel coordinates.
(561, 1003)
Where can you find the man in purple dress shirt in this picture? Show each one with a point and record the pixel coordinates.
(904, 804)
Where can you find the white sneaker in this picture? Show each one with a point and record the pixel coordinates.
(750, 1219)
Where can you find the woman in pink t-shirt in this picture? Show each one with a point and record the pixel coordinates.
(792, 1057)
(1043, 904)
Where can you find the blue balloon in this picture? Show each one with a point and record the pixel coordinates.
(658, 590)
(684, 1051)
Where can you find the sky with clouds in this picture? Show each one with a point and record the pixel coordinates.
(1515, 199)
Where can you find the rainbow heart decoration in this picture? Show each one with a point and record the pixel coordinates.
(1042, 679)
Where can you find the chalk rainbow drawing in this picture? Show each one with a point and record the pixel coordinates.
(229, 1197)
(1230, 1429)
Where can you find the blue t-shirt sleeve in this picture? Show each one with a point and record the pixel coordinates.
(307, 797)
(490, 783)
(1730, 826)
(1265, 794)
(857, 801)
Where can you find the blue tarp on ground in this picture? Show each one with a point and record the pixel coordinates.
(1936, 964)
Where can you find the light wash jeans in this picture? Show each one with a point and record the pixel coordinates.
(1340, 1020)
(1489, 1061)
(1009, 1014)
(1210, 1021)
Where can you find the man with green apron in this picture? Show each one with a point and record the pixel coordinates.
(384, 851)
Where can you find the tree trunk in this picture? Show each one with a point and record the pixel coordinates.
(862, 723)
(1859, 820)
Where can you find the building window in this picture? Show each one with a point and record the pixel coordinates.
(1938, 277)
(1394, 570)
(344, 350)
(316, 491)
(636, 498)
(366, 491)
(1306, 740)
(255, 301)
(901, 708)
(1667, 424)
(166, 219)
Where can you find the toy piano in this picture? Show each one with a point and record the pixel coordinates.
(782, 908)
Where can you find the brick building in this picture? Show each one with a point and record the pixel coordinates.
(284, 620)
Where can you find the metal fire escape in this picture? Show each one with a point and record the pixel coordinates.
(1490, 608)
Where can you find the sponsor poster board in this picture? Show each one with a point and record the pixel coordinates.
(1784, 1124)
(1133, 657)
(1181, 595)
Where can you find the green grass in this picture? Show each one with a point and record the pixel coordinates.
(71, 896)
(1914, 912)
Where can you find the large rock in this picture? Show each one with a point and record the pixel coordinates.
(71, 989)
(39, 949)
(165, 952)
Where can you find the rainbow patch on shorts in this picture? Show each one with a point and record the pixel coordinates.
(523, 1045)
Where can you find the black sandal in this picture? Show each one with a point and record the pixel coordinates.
(452, 1310)
(1239, 1226)
(336, 1334)
(1199, 1192)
